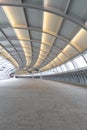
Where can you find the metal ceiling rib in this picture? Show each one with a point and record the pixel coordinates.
(27, 22)
(11, 44)
(5, 33)
(36, 30)
(8, 56)
(16, 16)
(57, 47)
(48, 39)
(36, 19)
(52, 32)
(50, 10)
(74, 49)
(33, 41)
(59, 27)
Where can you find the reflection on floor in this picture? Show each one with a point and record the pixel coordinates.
(27, 104)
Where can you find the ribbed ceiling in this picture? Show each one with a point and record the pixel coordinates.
(42, 34)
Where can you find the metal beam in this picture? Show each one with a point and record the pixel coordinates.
(9, 54)
(28, 30)
(45, 59)
(65, 11)
(32, 40)
(38, 41)
(70, 17)
(40, 58)
(10, 43)
(37, 30)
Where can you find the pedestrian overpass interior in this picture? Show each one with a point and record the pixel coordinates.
(44, 38)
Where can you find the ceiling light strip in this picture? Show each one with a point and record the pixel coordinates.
(48, 26)
(12, 13)
(77, 41)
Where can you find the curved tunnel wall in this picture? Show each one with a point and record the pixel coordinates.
(76, 77)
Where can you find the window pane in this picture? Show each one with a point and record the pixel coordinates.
(79, 62)
(59, 69)
(5, 67)
(63, 68)
(85, 55)
(69, 65)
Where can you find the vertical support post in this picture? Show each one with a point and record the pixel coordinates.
(40, 74)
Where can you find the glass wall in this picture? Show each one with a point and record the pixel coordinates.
(63, 67)
(6, 68)
(79, 62)
(76, 63)
(70, 66)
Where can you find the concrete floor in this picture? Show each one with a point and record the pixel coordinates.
(42, 105)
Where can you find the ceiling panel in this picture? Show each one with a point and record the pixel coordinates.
(9, 32)
(3, 17)
(49, 59)
(55, 50)
(69, 29)
(2, 35)
(16, 43)
(10, 49)
(39, 2)
(58, 4)
(35, 55)
(35, 44)
(36, 35)
(5, 43)
(14, 53)
(19, 49)
(52, 54)
(79, 8)
(60, 43)
(35, 17)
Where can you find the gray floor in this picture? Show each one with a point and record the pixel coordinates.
(42, 105)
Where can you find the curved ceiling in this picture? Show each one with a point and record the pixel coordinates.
(42, 34)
